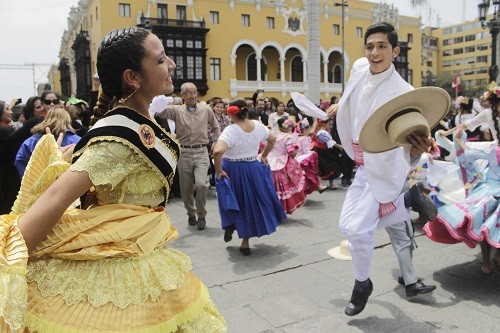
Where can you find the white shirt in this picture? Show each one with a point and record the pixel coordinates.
(385, 186)
(483, 118)
(273, 120)
(364, 94)
(242, 144)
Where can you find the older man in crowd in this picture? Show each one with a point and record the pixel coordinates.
(191, 121)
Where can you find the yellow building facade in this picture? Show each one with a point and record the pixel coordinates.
(232, 48)
(465, 49)
(430, 54)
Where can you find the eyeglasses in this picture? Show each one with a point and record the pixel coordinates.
(51, 101)
(190, 93)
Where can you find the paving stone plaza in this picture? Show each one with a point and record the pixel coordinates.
(290, 284)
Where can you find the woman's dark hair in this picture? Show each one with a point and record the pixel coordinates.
(242, 104)
(45, 93)
(253, 114)
(281, 121)
(278, 102)
(214, 100)
(494, 101)
(467, 106)
(121, 49)
(2, 108)
(324, 122)
(385, 28)
(29, 107)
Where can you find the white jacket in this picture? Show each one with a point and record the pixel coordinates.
(386, 172)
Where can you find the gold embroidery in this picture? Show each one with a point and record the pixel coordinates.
(136, 150)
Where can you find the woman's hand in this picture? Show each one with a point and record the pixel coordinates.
(263, 160)
(66, 151)
(221, 174)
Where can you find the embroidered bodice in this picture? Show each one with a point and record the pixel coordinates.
(120, 175)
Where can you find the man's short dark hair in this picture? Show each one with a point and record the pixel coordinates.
(385, 28)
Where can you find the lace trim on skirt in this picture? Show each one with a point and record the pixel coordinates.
(122, 281)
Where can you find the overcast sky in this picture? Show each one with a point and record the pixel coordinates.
(32, 29)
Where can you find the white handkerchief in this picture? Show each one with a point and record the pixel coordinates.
(159, 104)
(308, 107)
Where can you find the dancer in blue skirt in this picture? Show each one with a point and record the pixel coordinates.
(256, 210)
(476, 219)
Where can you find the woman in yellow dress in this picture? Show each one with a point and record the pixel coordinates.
(104, 267)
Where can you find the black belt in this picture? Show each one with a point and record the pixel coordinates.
(194, 146)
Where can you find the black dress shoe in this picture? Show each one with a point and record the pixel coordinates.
(358, 300)
(418, 288)
(421, 203)
(401, 281)
(228, 234)
(200, 224)
(192, 220)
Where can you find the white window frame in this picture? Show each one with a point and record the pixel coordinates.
(245, 20)
(124, 9)
(214, 17)
(215, 69)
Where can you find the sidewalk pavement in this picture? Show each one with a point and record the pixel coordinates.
(290, 284)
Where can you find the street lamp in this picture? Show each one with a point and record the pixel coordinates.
(343, 4)
(494, 26)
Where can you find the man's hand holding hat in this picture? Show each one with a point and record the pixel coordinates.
(419, 144)
(405, 120)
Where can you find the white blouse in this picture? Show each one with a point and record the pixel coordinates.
(242, 144)
(484, 117)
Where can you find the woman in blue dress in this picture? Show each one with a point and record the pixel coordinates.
(475, 219)
(256, 210)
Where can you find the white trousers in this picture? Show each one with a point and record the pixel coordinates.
(360, 219)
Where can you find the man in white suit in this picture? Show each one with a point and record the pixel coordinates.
(375, 198)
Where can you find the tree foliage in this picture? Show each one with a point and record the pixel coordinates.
(417, 3)
(444, 80)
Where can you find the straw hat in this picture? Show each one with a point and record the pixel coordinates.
(417, 110)
(341, 252)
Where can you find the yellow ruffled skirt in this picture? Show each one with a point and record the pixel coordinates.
(106, 269)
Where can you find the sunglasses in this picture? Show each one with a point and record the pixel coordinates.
(51, 101)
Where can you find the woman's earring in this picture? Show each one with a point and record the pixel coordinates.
(121, 101)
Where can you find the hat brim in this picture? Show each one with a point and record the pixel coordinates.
(432, 102)
(336, 254)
